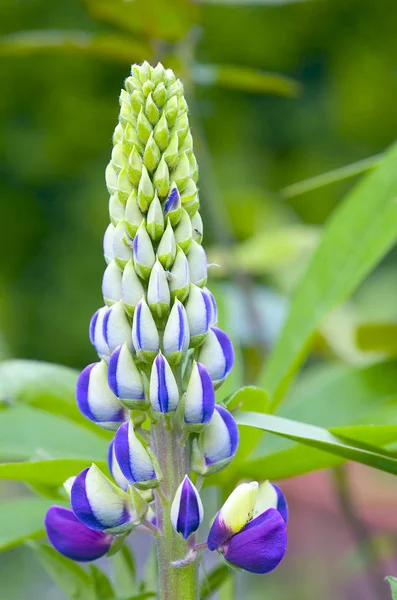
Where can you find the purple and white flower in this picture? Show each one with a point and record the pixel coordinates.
(108, 243)
(144, 332)
(199, 314)
(100, 505)
(197, 260)
(117, 327)
(133, 458)
(158, 295)
(179, 276)
(144, 256)
(122, 252)
(186, 509)
(270, 496)
(164, 392)
(214, 314)
(115, 470)
(217, 355)
(217, 444)
(73, 539)
(97, 337)
(199, 401)
(125, 380)
(111, 283)
(95, 399)
(176, 334)
(172, 206)
(132, 290)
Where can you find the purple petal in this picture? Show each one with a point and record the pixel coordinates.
(181, 328)
(162, 392)
(232, 428)
(218, 535)
(122, 451)
(80, 504)
(172, 201)
(227, 348)
(72, 539)
(92, 327)
(189, 511)
(282, 505)
(261, 545)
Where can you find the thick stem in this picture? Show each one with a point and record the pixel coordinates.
(175, 583)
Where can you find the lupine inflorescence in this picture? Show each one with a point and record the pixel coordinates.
(161, 356)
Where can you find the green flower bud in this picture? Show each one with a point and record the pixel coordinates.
(192, 206)
(183, 232)
(132, 84)
(161, 178)
(193, 166)
(197, 227)
(151, 156)
(182, 104)
(158, 295)
(152, 112)
(134, 167)
(158, 74)
(144, 257)
(124, 98)
(155, 220)
(137, 101)
(144, 71)
(169, 76)
(161, 133)
(181, 173)
(118, 134)
(171, 154)
(145, 190)
(116, 209)
(175, 89)
(167, 247)
(133, 216)
(131, 139)
(148, 88)
(190, 192)
(124, 185)
(126, 115)
(181, 127)
(171, 111)
(111, 177)
(119, 158)
(187, 144)
(160, 95)
(131, 288)
(143, 127)
(121, 248)
(179, 276)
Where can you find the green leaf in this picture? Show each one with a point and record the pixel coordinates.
(318, 438)
(142, 596)
(28, 433)
(22, 519)
(393, 586)
(48, 386)
(214, 581)
(104, 46)
(73, 580)
(335, 176)
(358, 234)
(377, 337)
(47, 473)
(101, 584)
(245, 79)
(124, 572)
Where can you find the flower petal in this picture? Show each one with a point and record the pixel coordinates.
(261, 545)
(132, 456)
(124, 378)
(73, 539)
(217, 354)
(164, 392)
(199, 402)
(186, 509)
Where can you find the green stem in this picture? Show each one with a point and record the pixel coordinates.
(175, 583)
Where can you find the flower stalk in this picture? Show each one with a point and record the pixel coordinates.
(161, 358)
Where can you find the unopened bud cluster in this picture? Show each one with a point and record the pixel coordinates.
(161, 355)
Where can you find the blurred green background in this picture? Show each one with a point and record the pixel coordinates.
(278, 92)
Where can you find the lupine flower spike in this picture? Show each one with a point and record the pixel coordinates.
(161, 355)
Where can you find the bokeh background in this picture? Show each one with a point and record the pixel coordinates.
(278, 92)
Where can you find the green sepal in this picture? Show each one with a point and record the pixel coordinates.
(116, 209)
(117, 544)
(137, 101)
(192, 206)
(134, 167)
(190, 191)
(145, 190)
(183, 231)
(143, 127)
(133, 216)
(151, 155)
(126, 115)
(140, 405)
(155, 220)
(171, 154)
(197, 340)
(181, 127)
(124, 185)
(161, 178)
(171, 110)
(160, 95)
(132, 84)
(160, 311)
(152, 112)
(144, 269)
(181, 173)
(162, 133)
(146, 356)
(131, 139)
(138, 417)
(167, 248)
(121, 248)
(140, 505)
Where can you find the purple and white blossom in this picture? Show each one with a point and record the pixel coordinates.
(116, 327)
(145, 335)
(199, 314)
(199, 403)
(111, 283)
(133, 458)
(125, 380)
(186, 509)
(97, 337)
(164, 392)
(217, 355)
(176, 333)
(197, 260)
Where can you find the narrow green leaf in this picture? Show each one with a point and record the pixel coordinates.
(377, 337)
(316, 437)
(358, 234)
(393, 586)
(245, 79)
(104, 46)
(214, 581)
(22, 519)
(27, 433)
(124, 572)
(47, 473)
(325, 179)
(101, 584)
(73, 580)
